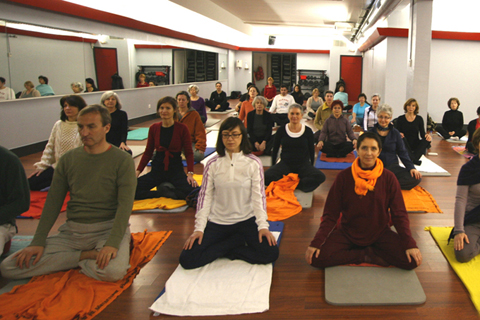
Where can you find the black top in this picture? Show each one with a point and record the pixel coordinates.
(244, 97)
(295, 151)
(267, 121)
(413, 131)
(118, 131)
(14, 188)
(298, 96)
(218, 98)
(452, 121)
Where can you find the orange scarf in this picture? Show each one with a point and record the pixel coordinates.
(365, 180)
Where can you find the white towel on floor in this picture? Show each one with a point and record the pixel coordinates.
(223, 287)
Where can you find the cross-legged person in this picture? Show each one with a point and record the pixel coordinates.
(231, 218)
(218, 99)
(96, 237)
(280, 105)
(355, 223)
(298, 153)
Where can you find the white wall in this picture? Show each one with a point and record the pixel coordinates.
(242, 76)
(374, 70)
(313, 61)
(395, 93)
(34, 118)
(454, 72)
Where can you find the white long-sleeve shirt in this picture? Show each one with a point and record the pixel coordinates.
(232, 191)
(281, 103)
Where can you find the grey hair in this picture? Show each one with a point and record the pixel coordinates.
(107, 95)
(385, 108)
(295, 106)
(377, 95)
(261, 99)
(194, 86)
(78, 85)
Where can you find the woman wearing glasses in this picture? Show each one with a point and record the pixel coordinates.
(394, 148)
(298, 153)
(231, 219)
(167, 138)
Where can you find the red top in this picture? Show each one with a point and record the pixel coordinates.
(365, 218)
(180, 140)
(270, 92)
(143, 85)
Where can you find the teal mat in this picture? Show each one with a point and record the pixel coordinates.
(138, 134)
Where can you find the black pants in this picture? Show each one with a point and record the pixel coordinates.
(268, 146)
(280, 118)
(310, 177)
(236, 241)
(41, 181)
(404, 177)
(446, 135)
(176, 177)
(224, 106)
(417, 152)
(337, 150)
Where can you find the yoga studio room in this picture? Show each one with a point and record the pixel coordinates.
(219, 159)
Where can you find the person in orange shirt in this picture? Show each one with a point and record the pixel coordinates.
(191, 118)
(247, 105)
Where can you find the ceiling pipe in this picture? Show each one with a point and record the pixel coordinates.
(386, 7)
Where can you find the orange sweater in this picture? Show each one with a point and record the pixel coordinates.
(196, 128)
(246, 108)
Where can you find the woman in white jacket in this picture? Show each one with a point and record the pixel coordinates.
(231, 219)
(64, 137)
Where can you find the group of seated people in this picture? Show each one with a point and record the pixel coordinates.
(231, 217)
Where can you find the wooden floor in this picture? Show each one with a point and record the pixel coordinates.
(297, 290)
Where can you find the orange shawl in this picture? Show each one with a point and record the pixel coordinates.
(365, 180)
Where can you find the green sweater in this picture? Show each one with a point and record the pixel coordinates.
(14, 189)
(102, 187)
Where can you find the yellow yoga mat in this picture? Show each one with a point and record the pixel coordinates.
(467, 272)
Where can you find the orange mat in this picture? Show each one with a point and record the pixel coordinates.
(72, 295)
(349, 158)
(420, 200)
(281, 201)
(37, 202)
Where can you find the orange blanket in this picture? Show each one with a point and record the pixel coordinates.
(281, 201)
(420, 200)
(349, 158)
(37, 201)
(72, 295)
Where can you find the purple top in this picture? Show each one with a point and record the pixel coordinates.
(199, 105)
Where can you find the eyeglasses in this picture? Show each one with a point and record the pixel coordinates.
(384, 117)
(233, 135)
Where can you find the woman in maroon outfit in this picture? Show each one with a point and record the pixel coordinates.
(363, 198)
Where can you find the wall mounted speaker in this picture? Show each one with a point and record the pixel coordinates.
(271, 40)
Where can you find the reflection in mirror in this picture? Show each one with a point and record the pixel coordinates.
(195, 66)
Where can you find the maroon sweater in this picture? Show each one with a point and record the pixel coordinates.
(180, 140)
(364, 218)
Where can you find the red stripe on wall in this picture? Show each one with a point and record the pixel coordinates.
(450, 35)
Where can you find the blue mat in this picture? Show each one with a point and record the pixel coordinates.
(274, 226)
(208, 151)
(138, 134)
(319, 164)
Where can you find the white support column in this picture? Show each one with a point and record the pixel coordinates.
(419, 46)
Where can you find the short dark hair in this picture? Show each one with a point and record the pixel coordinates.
(101, 110)
(218, 83)
(328, 91)
(172, 101)
(183, 93)
(2, 79)
(409, 102)
(45, 79)
(74, 101)
(362, 95)
(478, 111)
(369, 135)
(476, 139)
(249, 85)
(283, 86)
(336, 102)
(229, 124)
(90, 80)
(453, 99)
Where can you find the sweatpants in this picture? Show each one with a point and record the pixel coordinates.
(339, 250)
(416, 153)
(310, 177)
(404, 177)
(235, 241)
(446, 135)
(224, 106)
(41, 181)
(337, 150)
(154, 178)
(62, 252)
(280, 118)
(472, 249)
